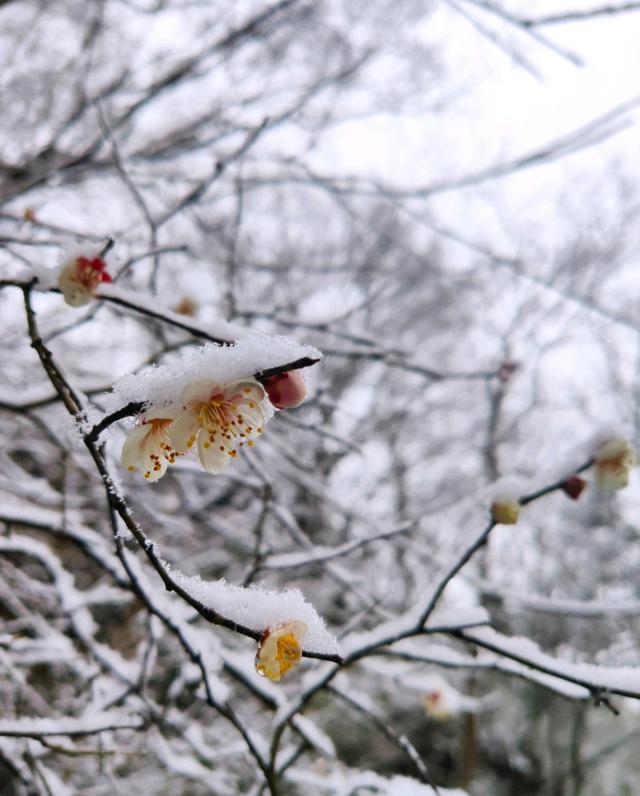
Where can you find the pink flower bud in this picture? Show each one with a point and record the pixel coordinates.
(286, 390)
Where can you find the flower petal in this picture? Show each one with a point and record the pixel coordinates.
(279, 649)
(214, 456)
(200, 390)
(133, 449)
(247, 390)
(143, 450)
(74, 292)
(183, 431)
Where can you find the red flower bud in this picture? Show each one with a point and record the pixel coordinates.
(286, 390)
(574, 486)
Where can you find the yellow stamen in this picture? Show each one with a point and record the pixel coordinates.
(288, 652)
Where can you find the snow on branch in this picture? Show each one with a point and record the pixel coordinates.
(220, 332)
(100, 721)
(259, 609)
(345, 781)
(620, 680)
(255, 355)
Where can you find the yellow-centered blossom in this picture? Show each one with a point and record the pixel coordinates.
(280, 649)
(148, 447)
(220, 418)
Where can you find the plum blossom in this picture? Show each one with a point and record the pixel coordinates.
(279, 649)
(506, 510)
(79, 279)
(437, 705)
(613, 460)
(442, 701)
(505, 501)
(220, 418)
(286, 390)
(148, 447)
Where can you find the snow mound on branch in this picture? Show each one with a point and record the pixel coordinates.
(344, 782)
(96, 722)
(163, 384)
(259, 609)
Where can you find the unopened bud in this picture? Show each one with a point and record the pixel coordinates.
(574, 486)
(506, 511)
(507, 369)
(186, 306)
(286, 390)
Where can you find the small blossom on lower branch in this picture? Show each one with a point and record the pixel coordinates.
(79, 279)
(286, 390)
(505, 503)
(220, 418)
(279, 649)
(506, 511)
(148, 447)
(614, 459)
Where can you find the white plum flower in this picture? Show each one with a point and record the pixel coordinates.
(614, 459)
(280, 649)
(79, 279)
(220, 418)
(148, 447)
(438, 706)
(443, 702)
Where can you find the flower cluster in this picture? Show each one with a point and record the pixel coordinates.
(79, 279)
(279, 649)
(613, 460)
(219, 419)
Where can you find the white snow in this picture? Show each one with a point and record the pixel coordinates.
(314, 735)
(163, 384)
(407, 625)
(344, 782)
(439, 655)
(70, 725)
(626, 678)
(259, 609)
(178, 613)
(507, 488)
